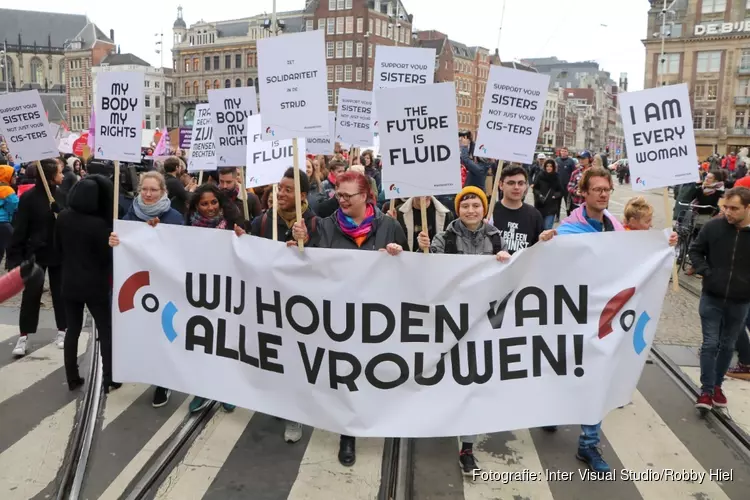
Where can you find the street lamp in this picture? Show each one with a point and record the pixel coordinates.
(159, 44)
(4, 64)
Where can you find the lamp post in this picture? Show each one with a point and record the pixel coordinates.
(159, 44)
(4, 64)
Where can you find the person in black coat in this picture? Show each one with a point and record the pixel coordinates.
(33, 234)
(548, 193)
(82, 240)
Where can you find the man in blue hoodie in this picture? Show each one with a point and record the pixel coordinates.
(476, 172)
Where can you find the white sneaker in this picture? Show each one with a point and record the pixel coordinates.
(292, 432)
(60, 339)
(20, 349)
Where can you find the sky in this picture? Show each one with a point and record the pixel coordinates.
(609, 33)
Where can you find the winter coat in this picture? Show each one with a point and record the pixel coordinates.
(385, 230)
(719, 254)
(171, 216)
(547, 193)
(565, 168)
(443, 217)
(486, 240)
(34, 228)
(263, 226)
(8, 197)
(81, 239)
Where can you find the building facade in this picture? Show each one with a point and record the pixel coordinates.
(707, 46)
(467, 67)
(155, 82)
(87, 50)
(353, 30)
(221, 54)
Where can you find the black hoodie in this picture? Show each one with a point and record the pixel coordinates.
(81, 239)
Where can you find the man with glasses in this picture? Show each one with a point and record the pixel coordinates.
(520, 224)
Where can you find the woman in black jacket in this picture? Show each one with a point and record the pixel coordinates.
(82, 240)
(547, 193)
(357, 224)
(33, 234)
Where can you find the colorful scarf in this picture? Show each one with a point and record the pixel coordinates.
(290, 216)
(332, 179)
(358, 233)
(709, 189)
(218, 222)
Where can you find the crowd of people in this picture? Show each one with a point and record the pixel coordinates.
(344, 207)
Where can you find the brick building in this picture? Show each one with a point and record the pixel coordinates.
(468, 67)
(354, 28)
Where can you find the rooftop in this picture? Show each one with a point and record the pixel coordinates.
(40, 28)
(123, 59)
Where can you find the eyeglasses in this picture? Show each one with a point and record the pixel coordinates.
(346, 197)
(601, 190)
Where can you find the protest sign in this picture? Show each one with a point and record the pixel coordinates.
(512, 112)
(24, 125)
(658, 126)
(185, 137)
(403, 66)
(324, 144)
(119, 115)
(230, 109)
(419, 140)
(203, 148)
(268, 160)
(353, 120)
(293, 88)
(248, 327)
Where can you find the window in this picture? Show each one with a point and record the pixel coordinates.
(206, 63)
(195, 88)
(371, 25)
(331, 4)
(227, 62)
(739, 119)
(340, 4)
(216, 63)
(744, 87)
(249, 82)
(339, 25)
(704, 119)
(322, 23)
(712, 90)
(359, 49)
(37, 71)
(330, 97)
(252, 60)
(195, 64)
(187, 88)
(369, 50)
(217, 85)
(339, 50)
(339, 73)
(330, 73)
(329, 50)
(676, 31)
(709, 62)
(238, 83)
(348, 73)
(745, 59)
(358, 74)
(712, 6)
(700, 91)
(348, 4)
(369, 74)
(349, 24)
(331, 26)
(238, 61)
(147, 101)
(337, 98)
(227, 83)
(206, 86)
(348, 47)
(148, 121)
(377, 27)
(710, 119)
(361, 24)
(309, 25)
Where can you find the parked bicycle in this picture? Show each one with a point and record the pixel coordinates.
(689, 223)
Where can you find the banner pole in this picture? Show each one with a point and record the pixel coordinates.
(40, 173)
(425, 227)
(116, 193)
(275, 211)
(200, 177)
(297, 193)
(495, 190)
(668, 225)
(243, 194)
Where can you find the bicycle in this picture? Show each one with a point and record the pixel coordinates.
(686, 229)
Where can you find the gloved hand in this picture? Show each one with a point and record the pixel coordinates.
(56, 209)
(30, 271)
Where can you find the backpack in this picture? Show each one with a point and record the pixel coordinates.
(264, 218)
(452, 248)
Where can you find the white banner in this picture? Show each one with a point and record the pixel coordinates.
(418, 133)
(293, 88)
(658, 125)
(268, 160)
(268, 328)
(230, 109)
(324, 144)
(354, 118)
(119, 115)
(512, 111)
(24, 125)
(202, 147)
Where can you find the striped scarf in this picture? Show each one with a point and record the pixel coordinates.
(358, 233)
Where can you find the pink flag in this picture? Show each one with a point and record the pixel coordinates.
(161, 147)
(92, 130)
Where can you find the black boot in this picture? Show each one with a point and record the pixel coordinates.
(111, 386)
(75, 383)
(347, 455)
